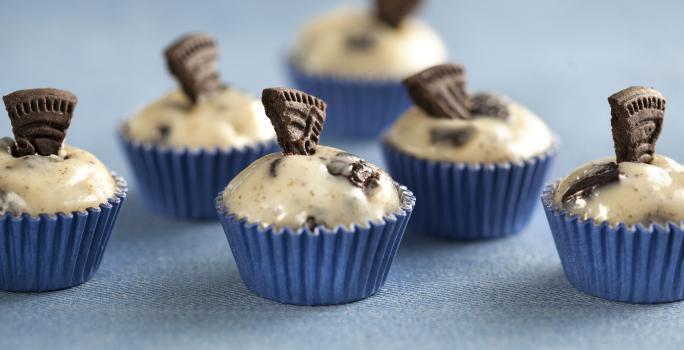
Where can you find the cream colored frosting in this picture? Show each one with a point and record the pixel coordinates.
(231, 118)
(72, 181)
(645, 193)
(304, 191)
(322, 46)
(520, 136)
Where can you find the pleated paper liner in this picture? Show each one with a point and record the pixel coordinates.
(323, 267)
(59, 251)
(357, 108)
(470, 202)
(635, 264)
(183, 183)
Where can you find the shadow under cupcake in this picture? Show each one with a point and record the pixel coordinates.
(185, 146)
(312, 225)
(618, 223)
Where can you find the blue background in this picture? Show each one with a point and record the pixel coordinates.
(165, 283)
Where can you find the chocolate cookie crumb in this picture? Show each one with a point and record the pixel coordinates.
(193, 60)
(311, 222)
(40, 119)
(273, 167)
(440, 91)
(491, 105)
(636, 118)
(455, 137)
(393, 12)
(359, 172)
(361, 41)
(164, 131)
(600, 175)
(297, 118)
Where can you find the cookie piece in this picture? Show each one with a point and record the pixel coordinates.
(273, 167)
(600, 175)
(40, 119)
(636, 118)
(361, 41)
(454, 137)
(491, 105)
(359, 172)
(393, 12)
(312, 222)
(440, 91)
(297, 118)
(193, 60)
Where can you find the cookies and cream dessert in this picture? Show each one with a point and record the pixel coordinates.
(38, 173)
(386, 43)
(204, 113)
(307, 184)
(448, 124)
(637, 186)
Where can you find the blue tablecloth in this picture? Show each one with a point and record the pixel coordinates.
(169, 284)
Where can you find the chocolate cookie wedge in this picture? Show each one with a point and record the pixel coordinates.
(440, 91)
(637, 118)
(393, 12)
(193, 60)
(40, 119)
(297, 118)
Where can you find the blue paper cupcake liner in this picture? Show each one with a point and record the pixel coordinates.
(182, 183)
(635, 264)
(470, 202)
(320, 267)
(357, 108)
(55, 252)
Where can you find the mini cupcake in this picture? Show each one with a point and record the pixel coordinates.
(476, 163)
(312, 225)
(58, 203)
(618, 222)
(355, 60)
(185, 146)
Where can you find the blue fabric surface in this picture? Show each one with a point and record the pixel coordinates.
(172, 284)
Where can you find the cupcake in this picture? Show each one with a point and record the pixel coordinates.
(355, 60)
(475, 162)
(58, 203)
(312, 225)
(618, 222)
(185, 146)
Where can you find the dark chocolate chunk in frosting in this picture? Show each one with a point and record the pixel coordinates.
(440, 91)
(297, 118)
(164, 131)
(454, 137)
(359, 172)
(273, 167)
(193, 60)
(636, 119)
(599, 175)
(361, 41)
(393, 12)
(491, 105)
(312, 222)
(40, 119)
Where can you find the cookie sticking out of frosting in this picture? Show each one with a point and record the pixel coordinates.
(193, 60)
(297, 118)
(393, 12)
(636, 118)
(40, 119)
(440, 92)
